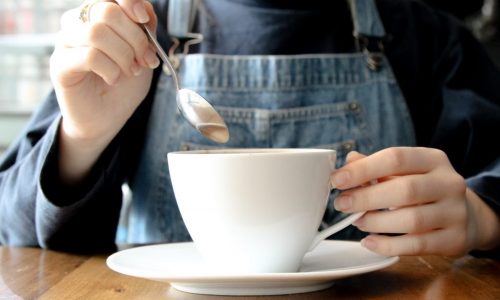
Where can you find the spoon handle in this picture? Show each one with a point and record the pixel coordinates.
(161, 53)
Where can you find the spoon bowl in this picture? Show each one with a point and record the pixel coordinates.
(193, 107)
(202, 116)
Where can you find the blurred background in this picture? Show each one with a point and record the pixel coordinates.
(482, 17)
(27, 29)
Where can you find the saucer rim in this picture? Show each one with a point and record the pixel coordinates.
(302, 276)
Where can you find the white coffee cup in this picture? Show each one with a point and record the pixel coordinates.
(254, 210)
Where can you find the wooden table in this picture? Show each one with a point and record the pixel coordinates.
(31, 273)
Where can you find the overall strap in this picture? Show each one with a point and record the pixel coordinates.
(369, 32)
(366, 19)
(180, 21)
(181, 16)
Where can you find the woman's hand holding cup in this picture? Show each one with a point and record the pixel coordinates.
(419, 198)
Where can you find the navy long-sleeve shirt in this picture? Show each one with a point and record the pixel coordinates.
(451, 87)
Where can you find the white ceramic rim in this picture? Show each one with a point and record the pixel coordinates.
(254, 151)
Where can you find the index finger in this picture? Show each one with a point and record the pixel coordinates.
(394, 161)
(135, 10)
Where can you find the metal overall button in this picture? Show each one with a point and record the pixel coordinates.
(347, 146)
(354, 107)
(375, 61)
(373, 49)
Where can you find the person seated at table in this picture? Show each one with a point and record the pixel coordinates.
(406, 87)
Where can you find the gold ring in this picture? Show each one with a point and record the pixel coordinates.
(85, 10)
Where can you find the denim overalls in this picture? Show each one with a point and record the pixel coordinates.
(345, 102)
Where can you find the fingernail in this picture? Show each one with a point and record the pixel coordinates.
(115, 81)
(140, 13)
(358, 222)
(369, 243)
(340, 179)
(151, 59)
(136, 69)
(343, 203)
(350, 155)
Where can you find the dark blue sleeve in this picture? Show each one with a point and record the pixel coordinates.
(473, 124)
(452, 88)
(36, 210)
(19, 167)
(469, 121)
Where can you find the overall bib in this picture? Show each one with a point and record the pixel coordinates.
(348, 101)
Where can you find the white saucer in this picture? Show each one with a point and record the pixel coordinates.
(180, 265)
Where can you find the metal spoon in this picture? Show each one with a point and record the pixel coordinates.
(195, 109)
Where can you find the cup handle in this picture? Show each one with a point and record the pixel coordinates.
(340, 225)
(335, 228)
(323, 234)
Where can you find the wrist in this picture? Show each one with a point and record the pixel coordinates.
(487, 223)
(78, 154)
(92, 136)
